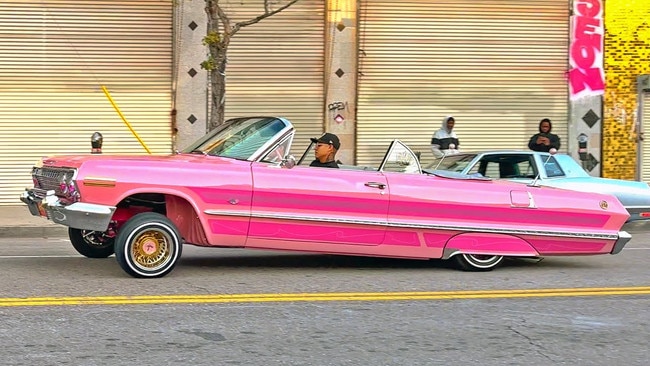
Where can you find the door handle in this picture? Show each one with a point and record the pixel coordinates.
(375, 185)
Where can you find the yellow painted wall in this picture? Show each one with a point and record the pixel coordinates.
(626, 55)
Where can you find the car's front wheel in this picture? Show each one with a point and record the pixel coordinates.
(477, 262)
(92, 244)
(148, 245)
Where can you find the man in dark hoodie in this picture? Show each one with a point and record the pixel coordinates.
(544, 140)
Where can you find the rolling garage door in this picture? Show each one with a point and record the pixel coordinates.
(498, 66)
(275, 67)
(56, 56)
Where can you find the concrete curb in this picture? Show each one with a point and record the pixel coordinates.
(17, 222)
(57, 231)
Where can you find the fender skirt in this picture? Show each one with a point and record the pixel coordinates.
(488, 244)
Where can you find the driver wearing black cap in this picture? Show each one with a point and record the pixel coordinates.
(325, 150)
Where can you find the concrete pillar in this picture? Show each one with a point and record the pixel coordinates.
(340, 79)
(190, 81)
(585, 133)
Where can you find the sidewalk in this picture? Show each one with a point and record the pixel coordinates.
(17, 222)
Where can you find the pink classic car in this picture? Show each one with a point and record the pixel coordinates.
(239, 187)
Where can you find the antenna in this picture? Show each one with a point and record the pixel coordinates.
(551, 152)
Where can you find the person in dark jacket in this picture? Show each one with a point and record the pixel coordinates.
(544, 140)
(325, 150)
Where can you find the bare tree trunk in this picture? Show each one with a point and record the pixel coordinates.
(220, 31)
(218, 92)
(217, 42)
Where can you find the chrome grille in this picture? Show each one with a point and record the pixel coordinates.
(50, 178)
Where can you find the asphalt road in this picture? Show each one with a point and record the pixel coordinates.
(239, 307)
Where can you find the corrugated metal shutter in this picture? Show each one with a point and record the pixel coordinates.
(55, 57)
(645, 123)
(275, 67)
(498, 66)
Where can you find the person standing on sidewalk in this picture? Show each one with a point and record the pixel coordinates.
(444, 141)
(544, 140)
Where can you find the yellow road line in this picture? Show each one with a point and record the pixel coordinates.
(313, 297)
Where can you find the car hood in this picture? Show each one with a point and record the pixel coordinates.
(75, 161)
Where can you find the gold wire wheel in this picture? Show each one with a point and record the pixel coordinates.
(152, 249)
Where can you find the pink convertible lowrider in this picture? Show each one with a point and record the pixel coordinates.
(238, 187)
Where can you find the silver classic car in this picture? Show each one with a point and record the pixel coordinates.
(551, 170)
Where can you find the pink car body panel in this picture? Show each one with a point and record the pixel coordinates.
(224, 192)
(208, 184)
(257, 205)
(313, 205)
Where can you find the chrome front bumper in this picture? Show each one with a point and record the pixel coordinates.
(623, 238)
(85, 216)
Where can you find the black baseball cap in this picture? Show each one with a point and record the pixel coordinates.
(328, 138)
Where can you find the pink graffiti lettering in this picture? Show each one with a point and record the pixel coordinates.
(588, 8)
(583, 51)
(580, 78)
(586, 74)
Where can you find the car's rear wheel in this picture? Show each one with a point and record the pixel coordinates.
(477, 262)
(92, 244)
(148, 245)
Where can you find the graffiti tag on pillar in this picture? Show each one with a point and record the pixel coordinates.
(586, 76)
(335, 109)
(337, 106)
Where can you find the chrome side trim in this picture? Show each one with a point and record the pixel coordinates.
(411, 225)
(225, 213)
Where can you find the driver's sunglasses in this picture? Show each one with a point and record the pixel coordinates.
(321, 144)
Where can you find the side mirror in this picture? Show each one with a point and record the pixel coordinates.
(288, 162)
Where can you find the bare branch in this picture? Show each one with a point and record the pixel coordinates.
(266, 14)
(218, 40)
(224, 19)
(215, 12)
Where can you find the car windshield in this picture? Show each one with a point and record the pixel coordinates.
(454, 163)
(242, 138)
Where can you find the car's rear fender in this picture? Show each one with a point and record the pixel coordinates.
(488, 244)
